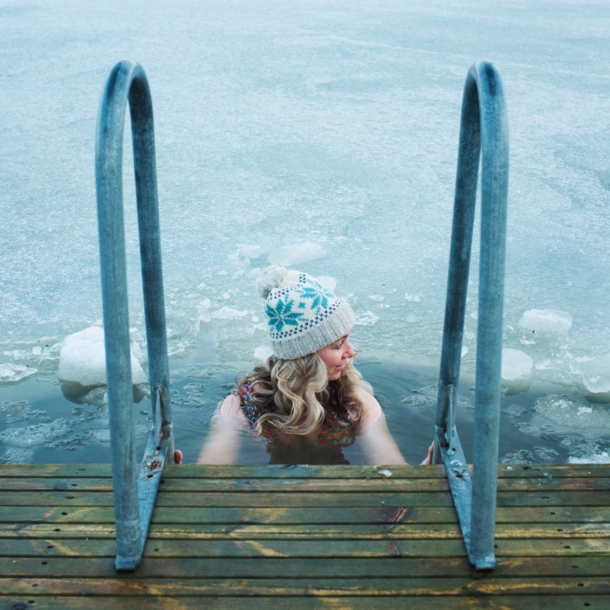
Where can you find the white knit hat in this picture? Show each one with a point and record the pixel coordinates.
(303, 316)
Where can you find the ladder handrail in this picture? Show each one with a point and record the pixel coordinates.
(134, 494)
(483, 133)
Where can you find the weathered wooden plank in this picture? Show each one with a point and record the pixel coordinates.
(320, 587)
(513, 602)
(558, 471)
(53, 547)
(218, 500)
(37, 484)
(383, 484)
(388, 484)
(55, 470)
(286, 515)
(249, 531)
(319, 567)
(283, 499)
(398, 471)
(279, 471)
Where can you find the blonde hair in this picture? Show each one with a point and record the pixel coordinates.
(296, 398)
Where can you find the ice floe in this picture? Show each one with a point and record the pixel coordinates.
(368, 318)
(296, 254)
(595, 376)
(82, 359)
(546, 321)
(516, 370)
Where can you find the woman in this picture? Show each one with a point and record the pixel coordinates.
(308, 401)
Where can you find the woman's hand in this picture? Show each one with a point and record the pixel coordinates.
(428, 459)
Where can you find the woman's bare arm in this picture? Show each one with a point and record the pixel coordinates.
(223, 442)
(377, 440)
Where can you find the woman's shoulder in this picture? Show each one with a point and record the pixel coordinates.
(371, 408)
(238, 405)
(230, 407)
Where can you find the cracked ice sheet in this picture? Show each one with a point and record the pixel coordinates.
(327, 123)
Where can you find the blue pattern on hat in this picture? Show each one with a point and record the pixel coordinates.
(318, 294)
(282, 315)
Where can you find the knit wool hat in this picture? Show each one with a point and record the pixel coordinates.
(303, 316)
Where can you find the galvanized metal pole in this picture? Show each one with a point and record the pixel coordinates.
(127, 82)
(483, 132)
(485, 80)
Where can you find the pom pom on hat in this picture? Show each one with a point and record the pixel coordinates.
(274, 277)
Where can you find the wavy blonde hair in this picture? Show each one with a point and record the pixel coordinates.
(296, 397)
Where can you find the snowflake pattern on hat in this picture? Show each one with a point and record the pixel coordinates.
(282, 315)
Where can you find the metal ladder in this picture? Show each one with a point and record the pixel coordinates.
(483, 133)
(134, 493)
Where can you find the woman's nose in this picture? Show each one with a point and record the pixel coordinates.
(349, 350)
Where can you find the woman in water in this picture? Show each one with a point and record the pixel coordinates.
(307, 401)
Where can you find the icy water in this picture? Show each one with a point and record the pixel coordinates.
(55, 424)
(321, 135)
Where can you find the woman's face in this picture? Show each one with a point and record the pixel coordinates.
(336, 355)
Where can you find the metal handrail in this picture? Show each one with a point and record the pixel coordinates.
(483, 133)
(134, 493)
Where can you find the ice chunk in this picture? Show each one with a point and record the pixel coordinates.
(368, 318)
(546, 454)
(17, 456)
(296, 254)
(203, 311)
(250, 251)
(415, 298)
(516, 370)
(20, 410)
(595, 374)
(69, 443)
(29, 436)
(328, 282)
(514, 411)
(101, 434)
(523, 456)
(262, 352)
(228, 313)
(82, 359)
(193, 398)
(595, 458)
(546, 321)
(566, 413)
(12, 373)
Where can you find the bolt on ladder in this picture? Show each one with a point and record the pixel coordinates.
(483, 133)
(134, 493)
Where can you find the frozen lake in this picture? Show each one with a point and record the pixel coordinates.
(323, 136)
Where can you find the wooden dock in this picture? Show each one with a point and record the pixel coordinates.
(298, 537)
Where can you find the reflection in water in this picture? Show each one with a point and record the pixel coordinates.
(96, 395)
